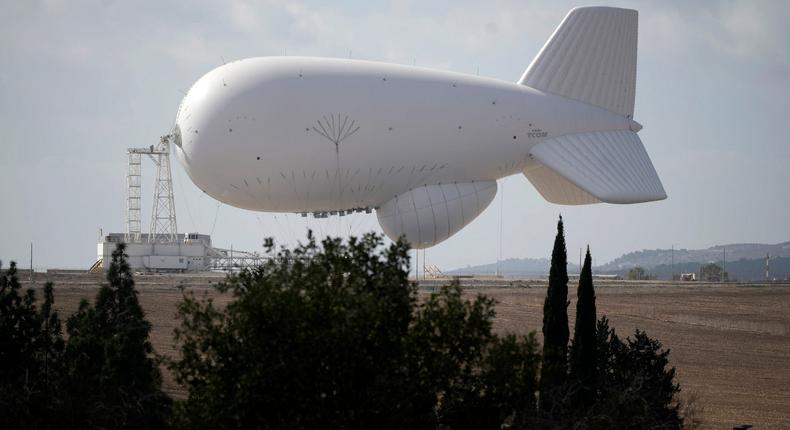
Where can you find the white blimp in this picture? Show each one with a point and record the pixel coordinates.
(421, 147)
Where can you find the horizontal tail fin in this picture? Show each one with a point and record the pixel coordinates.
(608, 166)
(591, 57)
(556, 189)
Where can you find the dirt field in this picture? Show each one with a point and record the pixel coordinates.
(730, 343)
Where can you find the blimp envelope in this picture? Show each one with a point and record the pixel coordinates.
(423, 148)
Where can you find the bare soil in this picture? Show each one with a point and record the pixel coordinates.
(730, 343)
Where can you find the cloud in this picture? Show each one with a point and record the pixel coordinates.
(243, 15)
(750, 34)
(83, 80)
(753, 31)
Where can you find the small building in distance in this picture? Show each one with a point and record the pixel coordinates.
(191, 252)
(686, 277)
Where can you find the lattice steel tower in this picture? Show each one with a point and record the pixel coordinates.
(133, 224)
(163, 227)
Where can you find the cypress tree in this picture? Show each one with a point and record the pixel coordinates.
(553, 374)
(584, 347)
(30, 346)
(112, 380)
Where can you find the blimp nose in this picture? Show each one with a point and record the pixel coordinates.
(177, 148)
(176, 136)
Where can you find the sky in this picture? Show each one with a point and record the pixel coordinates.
(81, 81)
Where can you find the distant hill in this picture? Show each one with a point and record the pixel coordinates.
(740, 270)
(650, 259)
(744, 261)
(514, 268)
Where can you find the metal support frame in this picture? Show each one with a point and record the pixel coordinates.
(228, 260)
(163, 214)
(163, 227)
(133, 223)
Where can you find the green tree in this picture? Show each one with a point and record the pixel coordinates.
(713, 272)
(30, 347)
(553, 373)
(111, 379)
(500, 391)
(636, 274)
(332, 335)
(636, 385)
(584, 346)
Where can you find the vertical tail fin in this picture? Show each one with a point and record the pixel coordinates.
(591, 57)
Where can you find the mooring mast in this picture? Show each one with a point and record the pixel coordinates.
(163, 227)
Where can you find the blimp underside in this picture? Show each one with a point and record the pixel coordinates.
(424, 148)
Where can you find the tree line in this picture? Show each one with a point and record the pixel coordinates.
(329, 334)
(101, 374)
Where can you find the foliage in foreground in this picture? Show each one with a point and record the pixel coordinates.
(330, 335)
(584, 351)
(30, 344)
(334, 336)
(636, 387)
(610, 383)
(110, 379)
(102, 376)
(554, 372)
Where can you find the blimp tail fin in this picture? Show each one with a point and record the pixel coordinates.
(602, 166)
(591, 57)
(556, 189)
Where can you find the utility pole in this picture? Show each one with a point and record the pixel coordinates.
(724, 263)
(673, 262)
(31, 262)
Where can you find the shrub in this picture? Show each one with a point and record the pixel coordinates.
(334, 336)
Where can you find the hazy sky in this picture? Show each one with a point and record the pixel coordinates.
(81, 81)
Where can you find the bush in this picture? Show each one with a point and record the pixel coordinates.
(501, 391)
(333, 336)
(636, 384)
